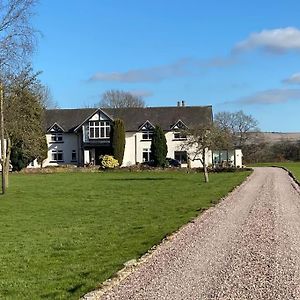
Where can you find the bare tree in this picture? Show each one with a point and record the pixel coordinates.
(17, 35)
(46, 97)
(202, 138)
(17, 41)
(119, 99)
(238, 125)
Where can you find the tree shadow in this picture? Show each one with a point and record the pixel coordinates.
(142, 179)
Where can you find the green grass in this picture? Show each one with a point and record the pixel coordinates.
(63, 234)
(294, 167)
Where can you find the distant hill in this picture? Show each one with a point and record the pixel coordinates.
(273, 137)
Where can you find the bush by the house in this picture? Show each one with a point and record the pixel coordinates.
(118, 140)
(159, 147)
(108, 162)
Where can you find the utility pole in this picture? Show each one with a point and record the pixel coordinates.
(2, 140)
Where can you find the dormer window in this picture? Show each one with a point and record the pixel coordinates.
(179, 135)
(99, 129)
(147, 135)
(179, 130)
(56, 132)
(147, 131)
(56, 137)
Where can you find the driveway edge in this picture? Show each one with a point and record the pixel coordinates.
(290, 174)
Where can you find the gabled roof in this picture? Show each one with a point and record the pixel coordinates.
(90, 116)
(166, 117)
(179, 125)
(55, 128)
(146, 126)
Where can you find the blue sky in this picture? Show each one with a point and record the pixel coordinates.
(234, 55)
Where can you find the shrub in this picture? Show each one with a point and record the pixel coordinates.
(159, 148)
(118, 140)
(108, 162)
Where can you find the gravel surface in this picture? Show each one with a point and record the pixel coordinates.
(247, 247)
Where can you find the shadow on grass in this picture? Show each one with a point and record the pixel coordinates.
(140, 179)
(75, 288)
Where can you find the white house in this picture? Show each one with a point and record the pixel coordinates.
(80, 136)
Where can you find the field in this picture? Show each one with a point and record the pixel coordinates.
(63, 234)
(294, 167)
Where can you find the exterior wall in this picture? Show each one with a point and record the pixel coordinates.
(68, 144)
(130, 149)
(140, 145)
(173, 145)
(178, 145)
(86, 150)
(135, 144)
(238, 158)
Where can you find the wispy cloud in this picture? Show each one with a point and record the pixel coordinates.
(278, 40)
(141, 93)
(154, 74)
(180, 68)
(293, 79)
(272, 96)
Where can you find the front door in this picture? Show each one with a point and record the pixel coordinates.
(101, 151)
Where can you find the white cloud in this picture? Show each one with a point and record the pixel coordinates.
(270, 97)
(141, 93)
(180, 68)
(293, 79)
(277, 40)
(153, 74)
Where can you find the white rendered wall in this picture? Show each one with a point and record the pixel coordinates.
(134, 145)
(238, 158)
(129, 158)
(69, 143)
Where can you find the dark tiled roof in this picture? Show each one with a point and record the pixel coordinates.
(68, 119)
(133, 118)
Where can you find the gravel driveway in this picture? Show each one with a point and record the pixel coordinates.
(247, 247)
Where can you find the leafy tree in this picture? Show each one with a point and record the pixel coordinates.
(118, 140)
(18, 158)
(119, 99)
(42, 150)
(23, 117)
(159, 147)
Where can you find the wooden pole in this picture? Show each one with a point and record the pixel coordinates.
(2, 140)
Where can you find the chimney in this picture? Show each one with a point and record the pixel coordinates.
(178, 103)
(182, 103)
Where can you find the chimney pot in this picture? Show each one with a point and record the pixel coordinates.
(178, 103)
(182, 103)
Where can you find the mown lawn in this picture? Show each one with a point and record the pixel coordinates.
(63, 234)
(294, 167)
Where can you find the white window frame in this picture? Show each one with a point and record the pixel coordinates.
(54, 155)
(56, 137)
(99, 130)
(146, 151)
(179, 135)
(147, 135)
